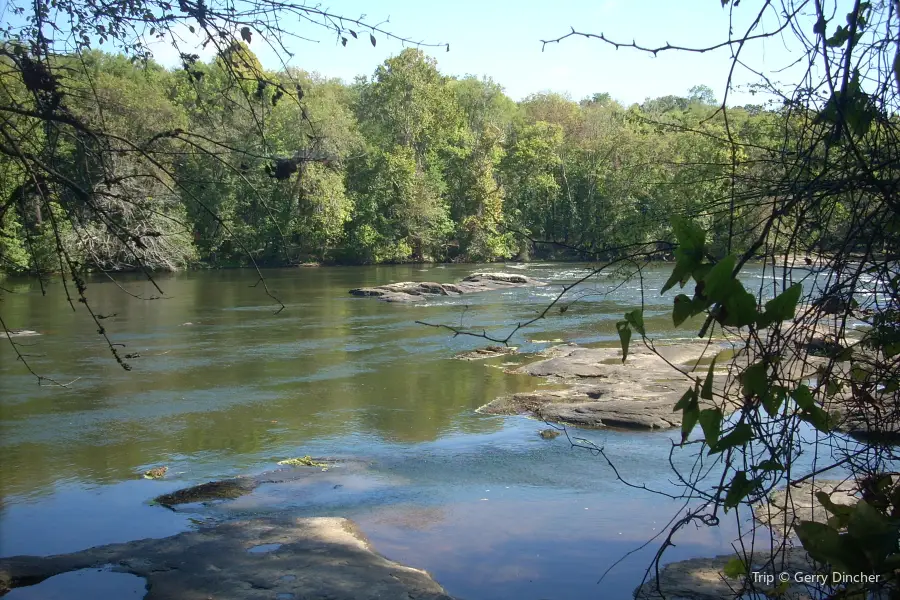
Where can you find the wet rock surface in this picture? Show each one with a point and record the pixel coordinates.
(415, 291)
(603, 392)
(310, 558)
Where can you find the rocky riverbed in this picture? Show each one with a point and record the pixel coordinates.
(416, 291)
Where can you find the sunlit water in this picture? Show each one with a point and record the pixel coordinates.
(224, 386)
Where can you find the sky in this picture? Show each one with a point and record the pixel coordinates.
(502, 39)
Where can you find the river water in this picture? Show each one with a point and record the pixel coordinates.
(224, 386)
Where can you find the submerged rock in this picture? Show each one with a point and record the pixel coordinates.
(414, 291)
(549, 434)
(311, 558)
(226, 489)
(603, 392)
(488, 352)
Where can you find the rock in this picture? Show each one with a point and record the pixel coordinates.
(549, 434)
(20, 332)
(226, 489)
(488, 352)
(603, 392)
(306, 558)
(414, 291)
(156, 473)
(303, 461)
(704, 578)
(501, 277)
(783, 511)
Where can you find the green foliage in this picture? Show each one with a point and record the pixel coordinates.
(409, 164)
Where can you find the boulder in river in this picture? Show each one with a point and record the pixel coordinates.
(415, 291)
(253, 559)
(601, 391)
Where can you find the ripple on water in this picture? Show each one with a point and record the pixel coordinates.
(84, 584)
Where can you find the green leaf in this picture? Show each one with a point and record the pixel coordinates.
(711, 423)
(739, 436)
(782, 307)
(707, 393)
(680, 275)
(876, 534)
(804, 398)
(818, 418)
(685, 400)
(740, 307)
(755, 380)
(689, 254)
(624, 337)
(823, 543)
(689, 417)
(773, 399)
(840, 510)
(739, 488)
(717, 283)
(735, 568)
(635, 318)
(770, 464)
(682, 309)
(840, 36)
(690, 236)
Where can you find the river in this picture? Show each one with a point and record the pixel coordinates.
(225, 386)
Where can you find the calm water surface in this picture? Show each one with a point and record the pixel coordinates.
(223, 386)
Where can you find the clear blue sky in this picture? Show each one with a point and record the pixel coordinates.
(501, 39)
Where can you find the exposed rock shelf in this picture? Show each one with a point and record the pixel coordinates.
(246, 560)
(601, 391)
(415, 291)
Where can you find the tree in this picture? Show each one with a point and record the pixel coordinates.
(116, 208)
(702, 94)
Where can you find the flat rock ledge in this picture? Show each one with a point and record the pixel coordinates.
(783, 511)
(416, 291)
(246, 560)
(704, 578)
(602, 392)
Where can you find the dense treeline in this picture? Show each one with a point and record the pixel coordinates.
(408, 165)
